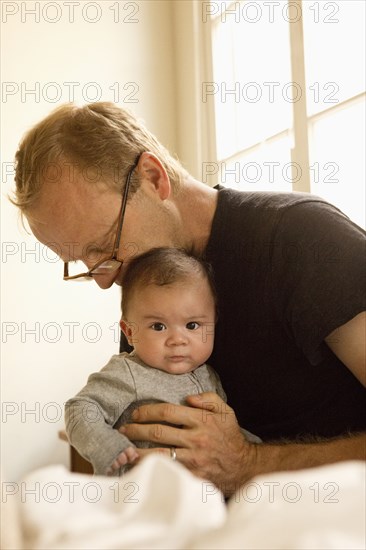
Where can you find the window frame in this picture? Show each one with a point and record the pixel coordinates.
(302, 122)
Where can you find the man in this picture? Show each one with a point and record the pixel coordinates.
(96, 186)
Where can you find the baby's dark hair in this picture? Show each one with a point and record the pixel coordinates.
(163, 266)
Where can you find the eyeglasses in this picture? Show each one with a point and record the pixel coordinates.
(107, 265)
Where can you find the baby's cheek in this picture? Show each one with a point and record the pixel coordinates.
(206, 335)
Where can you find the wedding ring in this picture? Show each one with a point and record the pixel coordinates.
(173, 453)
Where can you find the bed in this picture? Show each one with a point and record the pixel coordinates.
(159, 504)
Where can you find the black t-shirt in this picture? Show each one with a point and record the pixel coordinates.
(289, 269)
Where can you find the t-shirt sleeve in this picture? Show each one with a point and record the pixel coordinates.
(318, 273)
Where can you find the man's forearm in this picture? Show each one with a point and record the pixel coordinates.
(276, 457)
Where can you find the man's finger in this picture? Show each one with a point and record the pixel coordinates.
(165, 451)
(156, 433)
(209, 401)
(181, 455)
(166, 412)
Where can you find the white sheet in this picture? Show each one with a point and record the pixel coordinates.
(161, 505)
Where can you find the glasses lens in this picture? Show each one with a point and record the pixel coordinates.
(106, 268)
(84, 279)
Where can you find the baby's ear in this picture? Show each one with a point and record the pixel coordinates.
(127, 329)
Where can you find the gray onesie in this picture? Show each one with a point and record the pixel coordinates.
(94, 413)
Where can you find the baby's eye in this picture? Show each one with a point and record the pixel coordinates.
(192, 325)
(158, 326)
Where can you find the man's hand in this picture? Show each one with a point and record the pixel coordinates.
(211, 445)
(209, 442)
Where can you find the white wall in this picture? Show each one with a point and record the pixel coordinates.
(40, 370)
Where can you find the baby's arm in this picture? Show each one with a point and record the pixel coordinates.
(91, 432)
(91, 415)
(128, 456)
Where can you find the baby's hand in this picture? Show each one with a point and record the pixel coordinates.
(126, 457)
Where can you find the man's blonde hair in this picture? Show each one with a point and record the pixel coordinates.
(100, 140)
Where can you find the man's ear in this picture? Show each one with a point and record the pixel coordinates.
(128, 329)
(151, 171)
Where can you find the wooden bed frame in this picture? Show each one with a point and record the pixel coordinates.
(77, 462)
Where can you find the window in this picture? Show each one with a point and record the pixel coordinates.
(288, 96)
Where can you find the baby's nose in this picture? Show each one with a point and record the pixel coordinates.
(177, 338)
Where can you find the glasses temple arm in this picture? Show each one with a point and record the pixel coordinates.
(124, 204)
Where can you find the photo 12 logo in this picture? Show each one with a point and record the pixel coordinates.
(54, 92)
(274, 491)
(269, 12)
(253, 172)
(69, 492)
(53, 332)
(70, 12)
(269, 92)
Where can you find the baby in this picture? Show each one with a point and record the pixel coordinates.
(168, 316)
